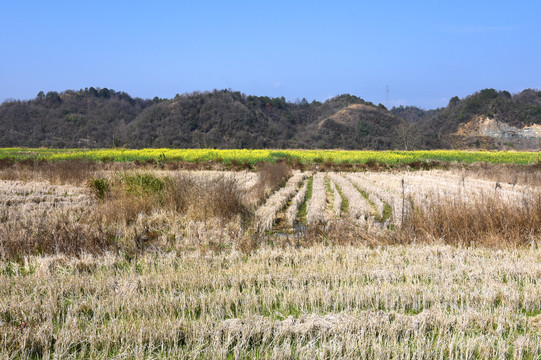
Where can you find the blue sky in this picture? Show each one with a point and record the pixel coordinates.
(426, 51)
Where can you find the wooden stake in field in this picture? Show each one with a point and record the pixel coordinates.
(403, 201)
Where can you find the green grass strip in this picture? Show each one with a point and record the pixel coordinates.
(330, 194)
(345, 203)
(387, 210)
(301, 215)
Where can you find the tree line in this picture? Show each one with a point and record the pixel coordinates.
(101, 117)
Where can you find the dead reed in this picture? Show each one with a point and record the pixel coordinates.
(271, 176)
(75, 172)
(487, 220)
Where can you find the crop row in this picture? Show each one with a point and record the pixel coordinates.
(384, 197)
(266, 214)
(315, 211)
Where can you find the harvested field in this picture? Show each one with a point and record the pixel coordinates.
(29, 199)
(389, 200)
(270, 264)
(413, 301)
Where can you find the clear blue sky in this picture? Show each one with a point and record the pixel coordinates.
(426, 51)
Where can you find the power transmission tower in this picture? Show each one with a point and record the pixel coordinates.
(387, 97)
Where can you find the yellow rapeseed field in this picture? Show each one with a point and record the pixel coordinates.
(252, 156)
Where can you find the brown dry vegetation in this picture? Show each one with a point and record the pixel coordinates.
(487, 221)
(270, 177)
(61, 172)
(408, 301)
(167, 264)
(134, 210)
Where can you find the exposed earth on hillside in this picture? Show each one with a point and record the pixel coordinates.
(498, 134)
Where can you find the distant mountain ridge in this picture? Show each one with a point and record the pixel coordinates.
(95, 117)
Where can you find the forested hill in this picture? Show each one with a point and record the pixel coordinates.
(520, 110)
(487, 119)
(221, 119)
(229, 119)
(84, 118)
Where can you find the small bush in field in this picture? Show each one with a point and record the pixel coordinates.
(99, 187)
(143, 183)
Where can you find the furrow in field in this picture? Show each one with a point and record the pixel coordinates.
(359, 208)
(337, 200)
(266, 214)
(374, 193)
(293, 209)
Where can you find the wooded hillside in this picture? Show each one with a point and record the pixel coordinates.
(95, 117)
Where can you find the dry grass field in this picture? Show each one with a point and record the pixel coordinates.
(103, 261)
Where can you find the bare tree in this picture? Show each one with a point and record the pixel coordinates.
(407, 136)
